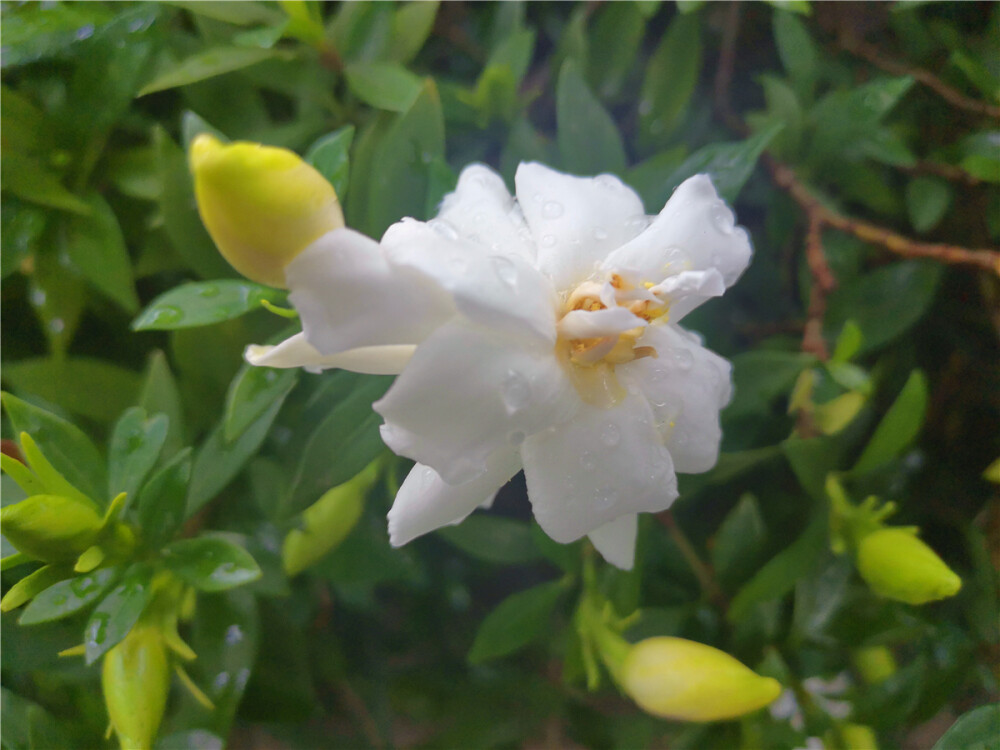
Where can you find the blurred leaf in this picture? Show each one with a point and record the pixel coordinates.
(411, 26)
(192, 739)
(517, 621)
(330, 156)
(589, 141)
(208, 64)
(57, 295)
(812, 459)
(210, 563)
(63, 444)
(118, 612)
(974, 730)
(845, 119)
(362, 31)
(30, 181)
(68, 597)
(245, 13)
(134, 449)
(818, 597)
(251, 393)
(493, 539)
(739, 543)
(202, 303)
(24, 725)
(161, 504)
(615, 41)
(899, 427)
(159, 394)
(383, 85)
(798, 53)
(761, 376)
(23, 227)
(193, 125)
(927, 201)
(670, 79)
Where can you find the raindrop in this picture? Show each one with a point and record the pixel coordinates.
(607, 499)
(515, 391)
(38, 297)
(233, 635)
(443, 228)
(85, 32)
(548, 240)
(638, 223)
(608, 181)
(610, 435)
(60, 600)
(587, 461)
(139, 24)
(552, 209)
(56, 325)
(600, 233)
(722, 218)
(684, 359)
(537, 197)
(505, 270)
(167, 315)
(645, 107)
(209, 291)
(220, 681)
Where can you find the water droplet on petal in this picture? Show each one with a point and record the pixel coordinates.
(723, 218)
(552, 209)
(610, 435)
(505, 270)
(600, 233)
(683, 358)
(537, 197)
(515, 391)
(606, 499)
(444, 228)
(548, 240)
(637, 223)
(587, 461)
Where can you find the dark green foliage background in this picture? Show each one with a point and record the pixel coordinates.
(371, 648)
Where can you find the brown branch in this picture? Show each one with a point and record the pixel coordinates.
(951, 95)
(823, 282)
(945, 171)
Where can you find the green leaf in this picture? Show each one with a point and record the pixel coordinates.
(615, 41)
(211, 563)
(161, 505)
(520, 619)
(411, 26)
(781, 572)
(761, 376)
(23, 227)
(35, 32)
(114, 617)
(739, 543)
(208, 64)
(818, 598)
(93, 388)
(383, 85)
(589, 141)
(927, 201)
(974, 730)
(899, 427)
(244, 13)
(25, 725)
(33, 584)
(729, 164)
(193, 125)
(330, 155)
(70, 451)
(812, 459)
(68, 597)
(202, 303)
(798, 53)
(670, 79)
(493, 539)
(29, 180)
(884, 303)
(57, 295)
(159, 394)
(251, 393)
(134, 449)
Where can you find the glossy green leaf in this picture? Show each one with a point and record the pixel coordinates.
(589, 141)
(159, 394)
(252, 392)
(211, 563)
(670, 79)
(493, 539)
(761, 376)
(202, 303)
(134, 449)
(118, 611)
(899, 427)
(846, 119)
(68, 449)
(57, 295)
(927, 201)
(68, 597)
(331, 157)
(383, 85)
(29, 180)
(739, 543)
(519, 619)
(162, 502)
(208, 64)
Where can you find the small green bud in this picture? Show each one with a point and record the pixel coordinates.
(858, 737)
(897, 565)
(50, 527)
(680, 679)
(135, 678)
(875, 664)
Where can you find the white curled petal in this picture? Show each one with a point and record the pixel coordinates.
(295, 351)
(615, 540)
(482, 211)
(469, 391)
(426, 502)
(591, 324)
(686, 386)
(349, 296)
(688, 289)
(499, 291)
(576, 221)
(603, 464)
(695, 231)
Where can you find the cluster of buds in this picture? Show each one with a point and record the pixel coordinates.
(892, 560)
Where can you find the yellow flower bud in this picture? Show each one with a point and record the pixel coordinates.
(858, 737)
(50, 527)
(327, 522)
(875, 664)
(135, 678)
(897, 565)
(262, 205)
(680, 679)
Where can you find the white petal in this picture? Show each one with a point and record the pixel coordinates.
(695, 231)
(590, 324)
(603, 464)
(615, 540)
(500, 291)
(426, 502)
(576, 221)
(688, 289)
(295, 351)
(481, 210)
(686, 386)
(469, 391)
(349, 295)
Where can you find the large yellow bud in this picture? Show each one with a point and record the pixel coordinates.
(897, 565)
(680, 679)
(135, 678)
(50, 527)
(262, 205)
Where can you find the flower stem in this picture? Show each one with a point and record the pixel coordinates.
(701, 571)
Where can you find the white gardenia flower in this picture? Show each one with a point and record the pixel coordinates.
(537, 333)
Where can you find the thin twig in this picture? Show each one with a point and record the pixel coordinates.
(702, 572)
(945, 171)
(823, 282)
(953, 96)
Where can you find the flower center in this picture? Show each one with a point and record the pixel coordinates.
(590, 360)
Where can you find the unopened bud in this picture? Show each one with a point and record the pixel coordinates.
(135, 678)
(261, 205)
(680, 679)
(50, 527)
(858, 737)
(897, 565)
(875, 664)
